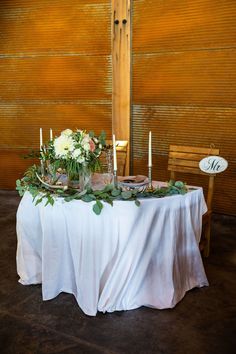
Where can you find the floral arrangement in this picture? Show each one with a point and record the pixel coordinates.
(75, 152)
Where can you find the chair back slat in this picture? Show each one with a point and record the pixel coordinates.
(181, 162)
(185, 169)
(186, 155)
(195, 149)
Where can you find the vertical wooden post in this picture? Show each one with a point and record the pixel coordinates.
(121, 47)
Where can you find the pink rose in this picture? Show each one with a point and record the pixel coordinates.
(92, 145)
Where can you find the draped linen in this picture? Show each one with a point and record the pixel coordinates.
(125, 258)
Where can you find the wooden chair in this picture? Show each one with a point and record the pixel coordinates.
(185, 159)
(121, 152)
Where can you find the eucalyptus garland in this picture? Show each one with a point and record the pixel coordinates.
(40, 192)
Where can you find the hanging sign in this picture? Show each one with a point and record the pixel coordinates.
(213, 164)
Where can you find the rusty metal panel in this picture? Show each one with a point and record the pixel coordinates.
(59, 77)
(167, 26)
(25, 120)
(205, 78)
(55, 72)
(184, 86)
(52, 27)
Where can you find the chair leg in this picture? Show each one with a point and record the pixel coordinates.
(206, 250)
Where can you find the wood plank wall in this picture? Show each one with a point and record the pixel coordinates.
(55, 72)
(184, 85)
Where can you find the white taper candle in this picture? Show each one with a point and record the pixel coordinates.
(114, 153)
(150, 150)
(40, 138)
(51, 136)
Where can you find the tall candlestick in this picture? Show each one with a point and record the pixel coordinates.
(41, 148)
(150, 150)
(114, 153)
(51, 136)
(40, 138)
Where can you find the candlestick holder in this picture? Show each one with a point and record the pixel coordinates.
(150, 187)
(115, 180)
(42, 168)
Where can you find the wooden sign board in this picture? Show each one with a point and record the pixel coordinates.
(213, 164)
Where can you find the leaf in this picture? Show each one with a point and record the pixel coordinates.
(88, 198)
(179, 184)
(18, 183)
(99, 203)
(137, 202)
(97, 207)
(115, 192)
(109, 201)
(109, 187)
(126, 194)
(50, 200)
(104, 196)
(39, 200)
(60, 191)
(69, 198)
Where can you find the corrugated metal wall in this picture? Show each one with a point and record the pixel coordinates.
(55, 72)
(184, 85)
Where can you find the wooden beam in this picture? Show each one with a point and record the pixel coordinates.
(121, 47)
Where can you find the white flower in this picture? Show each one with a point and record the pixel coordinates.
(81, 159)
(76, 153)
(62, 145)
(67, 132)
(86, 146)
(86, 139)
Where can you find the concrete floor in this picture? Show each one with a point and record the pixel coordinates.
(203, 322)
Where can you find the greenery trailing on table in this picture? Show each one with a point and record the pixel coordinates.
(41, 192)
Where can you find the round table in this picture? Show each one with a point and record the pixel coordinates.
(122, 259)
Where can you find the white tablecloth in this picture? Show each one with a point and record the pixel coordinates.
(125, 258)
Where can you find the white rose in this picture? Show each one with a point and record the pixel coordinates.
(62, 145)
(67, 132)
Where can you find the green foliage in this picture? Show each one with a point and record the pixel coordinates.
(108, 194)
(97, 207)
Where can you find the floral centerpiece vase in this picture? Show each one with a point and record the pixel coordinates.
(77, 153)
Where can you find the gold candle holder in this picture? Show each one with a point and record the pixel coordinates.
(150, 187)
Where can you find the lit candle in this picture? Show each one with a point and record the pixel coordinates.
(41, 138)
(114, 153)
(51, 136)
(150, 150)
